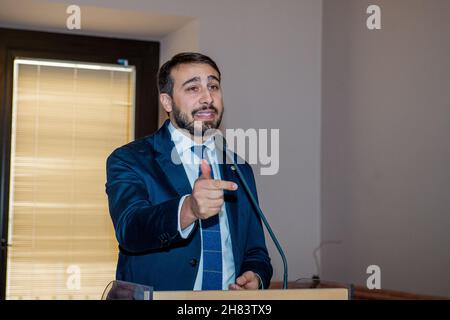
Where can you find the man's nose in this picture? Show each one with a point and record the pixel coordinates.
(206, 97)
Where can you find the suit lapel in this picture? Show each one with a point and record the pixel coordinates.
(169, 161)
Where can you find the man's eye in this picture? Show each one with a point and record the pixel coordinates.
(214, 87)
(192, 89)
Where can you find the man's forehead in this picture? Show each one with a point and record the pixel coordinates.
(190, 70)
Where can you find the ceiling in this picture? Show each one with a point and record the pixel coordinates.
(44, 15)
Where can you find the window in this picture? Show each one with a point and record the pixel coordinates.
(67, 118)
(68, 102)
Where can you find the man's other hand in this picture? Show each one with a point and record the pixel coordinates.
(247, 281)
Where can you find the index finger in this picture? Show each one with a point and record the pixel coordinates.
(225, 185)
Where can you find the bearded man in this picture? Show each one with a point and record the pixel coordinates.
(181, 217)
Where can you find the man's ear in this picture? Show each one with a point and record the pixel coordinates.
(166, 102)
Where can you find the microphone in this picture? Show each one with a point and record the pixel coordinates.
(230, 159)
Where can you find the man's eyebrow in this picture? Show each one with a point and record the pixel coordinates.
(194, 79)
(197, 79)
(213, 77)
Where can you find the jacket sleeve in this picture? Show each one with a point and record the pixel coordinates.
(256, 257)
(139, 225)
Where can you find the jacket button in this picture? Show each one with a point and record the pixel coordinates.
(193, 262)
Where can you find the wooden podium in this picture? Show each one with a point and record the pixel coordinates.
(271, 294)
(122, 290)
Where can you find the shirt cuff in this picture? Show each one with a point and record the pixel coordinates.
(261, 284)
(187, 231)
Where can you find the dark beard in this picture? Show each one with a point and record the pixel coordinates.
(182, 120)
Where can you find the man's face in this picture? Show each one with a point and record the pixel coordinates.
(197, 97)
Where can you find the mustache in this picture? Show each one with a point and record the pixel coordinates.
(210, 107)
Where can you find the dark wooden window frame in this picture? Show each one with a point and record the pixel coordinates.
(144, 55)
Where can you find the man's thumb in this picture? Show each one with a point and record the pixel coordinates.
(205, 169)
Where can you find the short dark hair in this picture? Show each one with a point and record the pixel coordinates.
(165, 82)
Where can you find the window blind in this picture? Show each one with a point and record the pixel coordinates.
(67, 118)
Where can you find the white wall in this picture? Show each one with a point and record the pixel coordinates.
(385, 147)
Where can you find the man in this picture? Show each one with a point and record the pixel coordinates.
(183, 224)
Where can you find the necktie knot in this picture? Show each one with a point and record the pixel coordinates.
(199, 151)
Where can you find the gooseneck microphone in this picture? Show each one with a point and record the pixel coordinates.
(230, 160)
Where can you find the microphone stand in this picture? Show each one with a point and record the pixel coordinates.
(260, 213)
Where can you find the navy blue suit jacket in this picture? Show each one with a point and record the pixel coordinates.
(144, 189)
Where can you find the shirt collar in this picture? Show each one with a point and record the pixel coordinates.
(183, 142)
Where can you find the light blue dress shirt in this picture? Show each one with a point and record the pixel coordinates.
(191, 164)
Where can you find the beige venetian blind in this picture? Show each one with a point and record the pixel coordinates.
(67, 118)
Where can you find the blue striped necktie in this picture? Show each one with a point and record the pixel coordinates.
(212, 246)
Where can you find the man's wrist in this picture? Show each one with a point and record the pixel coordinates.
(187, 216)
(184, 232)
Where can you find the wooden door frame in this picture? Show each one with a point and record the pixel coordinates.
(144, 55)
